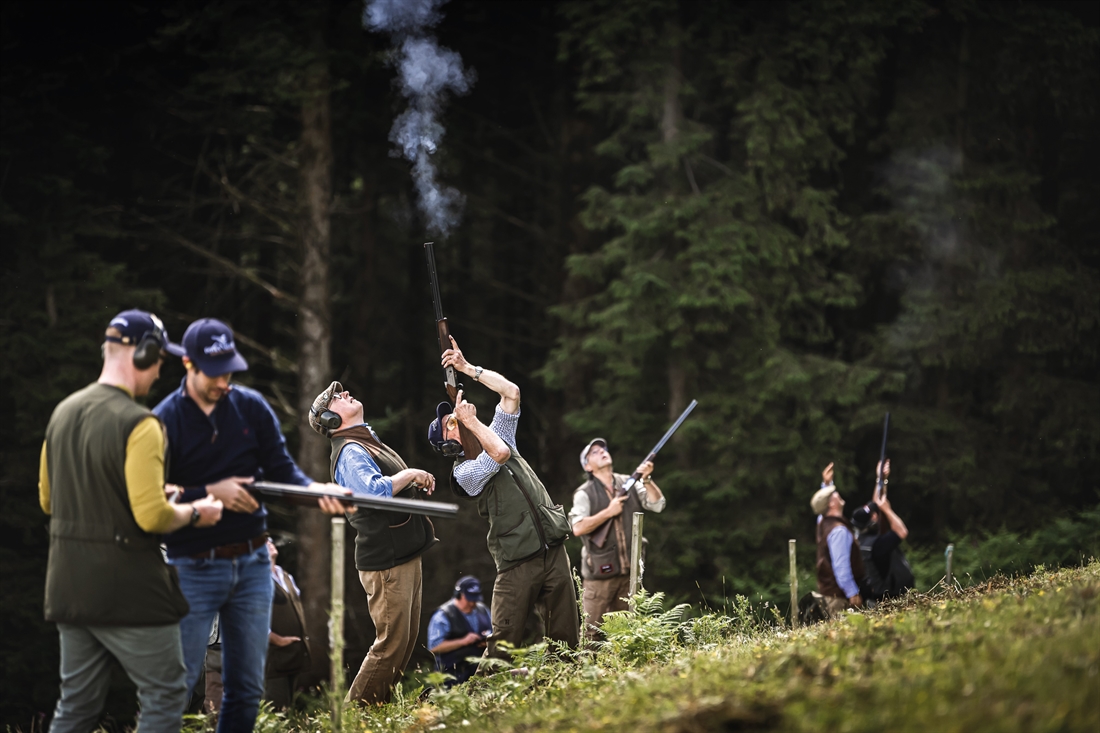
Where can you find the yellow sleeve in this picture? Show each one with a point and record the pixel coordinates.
(145, 477)
(44, 481)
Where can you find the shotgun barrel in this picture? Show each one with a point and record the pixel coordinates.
(599, 535)
(882, 455)
(300, 495)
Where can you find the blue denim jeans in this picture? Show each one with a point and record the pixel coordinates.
(241, 590)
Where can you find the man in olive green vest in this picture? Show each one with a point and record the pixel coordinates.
(388, 546)
(606, 568)
(527, 531)
(108, 589)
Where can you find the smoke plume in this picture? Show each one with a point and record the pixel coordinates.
(427, 74)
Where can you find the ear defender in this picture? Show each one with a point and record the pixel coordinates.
(147, 352)
(329, 419)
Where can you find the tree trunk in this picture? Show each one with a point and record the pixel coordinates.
(314, 344)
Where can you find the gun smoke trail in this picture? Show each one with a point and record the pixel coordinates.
(426, 75)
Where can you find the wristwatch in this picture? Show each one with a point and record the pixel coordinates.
(477, 373)
(195, 515)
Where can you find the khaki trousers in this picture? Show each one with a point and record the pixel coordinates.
(602, 596)
(393, 598)
(544, 583)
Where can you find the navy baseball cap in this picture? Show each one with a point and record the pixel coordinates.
(470, 587)
(133, 325)
(435, 428)
(209, 345)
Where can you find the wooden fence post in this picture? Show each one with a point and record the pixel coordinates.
(336, 623)
(635, 557)
(794, 584)
(949, 555)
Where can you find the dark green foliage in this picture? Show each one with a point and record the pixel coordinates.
(814, 213)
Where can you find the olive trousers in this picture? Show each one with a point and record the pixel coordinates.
(543, 583)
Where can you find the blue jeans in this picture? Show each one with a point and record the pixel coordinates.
(241, 590)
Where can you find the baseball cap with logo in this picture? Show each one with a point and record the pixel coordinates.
(594, 441)
(470, 587)
(209, 345)
(133, 325)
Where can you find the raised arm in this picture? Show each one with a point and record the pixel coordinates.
(508, 391)
(466, 413)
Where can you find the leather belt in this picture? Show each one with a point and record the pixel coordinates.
(233, 549)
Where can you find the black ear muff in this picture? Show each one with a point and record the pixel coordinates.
(147, 352)
(329, 419)
(449, 448)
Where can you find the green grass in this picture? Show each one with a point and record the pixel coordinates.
(1019, 654)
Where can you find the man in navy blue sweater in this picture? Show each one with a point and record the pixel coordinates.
(220, 438)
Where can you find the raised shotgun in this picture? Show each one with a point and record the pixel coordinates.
(471, 447)
(879, 486)
(599, 535)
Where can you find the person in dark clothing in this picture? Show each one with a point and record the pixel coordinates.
(288, 653)
(458, 630)
(221, 437)
(880, 533)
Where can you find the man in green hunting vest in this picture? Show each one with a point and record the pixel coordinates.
(527, 530)
(388, 546)
(108, 589)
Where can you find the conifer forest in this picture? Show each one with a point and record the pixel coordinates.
(801, 214)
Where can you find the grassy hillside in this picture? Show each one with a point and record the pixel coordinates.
(1009, 655)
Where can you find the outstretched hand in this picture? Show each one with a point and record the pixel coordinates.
(883, 470)
(453, 357)
(827, 474)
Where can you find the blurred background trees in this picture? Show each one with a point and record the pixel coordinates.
(800, 214)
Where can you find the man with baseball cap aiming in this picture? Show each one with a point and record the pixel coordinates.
(220, 438)
(459, 629)
(101, 480)
(606, 569)
(388, 545)
(527, 531)
(839, 562)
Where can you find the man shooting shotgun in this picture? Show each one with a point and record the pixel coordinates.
(600, 508)
(880, 532)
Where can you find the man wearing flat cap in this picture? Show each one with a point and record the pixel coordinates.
(606, 568)
(388, 545)
(108, 589)
(221, 437)
(527, 531)
(839, 561)
(459, 629)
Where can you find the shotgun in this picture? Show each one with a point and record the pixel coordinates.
(599, 535)
(471, 447)
(880, 488)
(295, 494)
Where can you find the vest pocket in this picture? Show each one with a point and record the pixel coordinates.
(604, 562)
(554, 523)
(518, 540)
